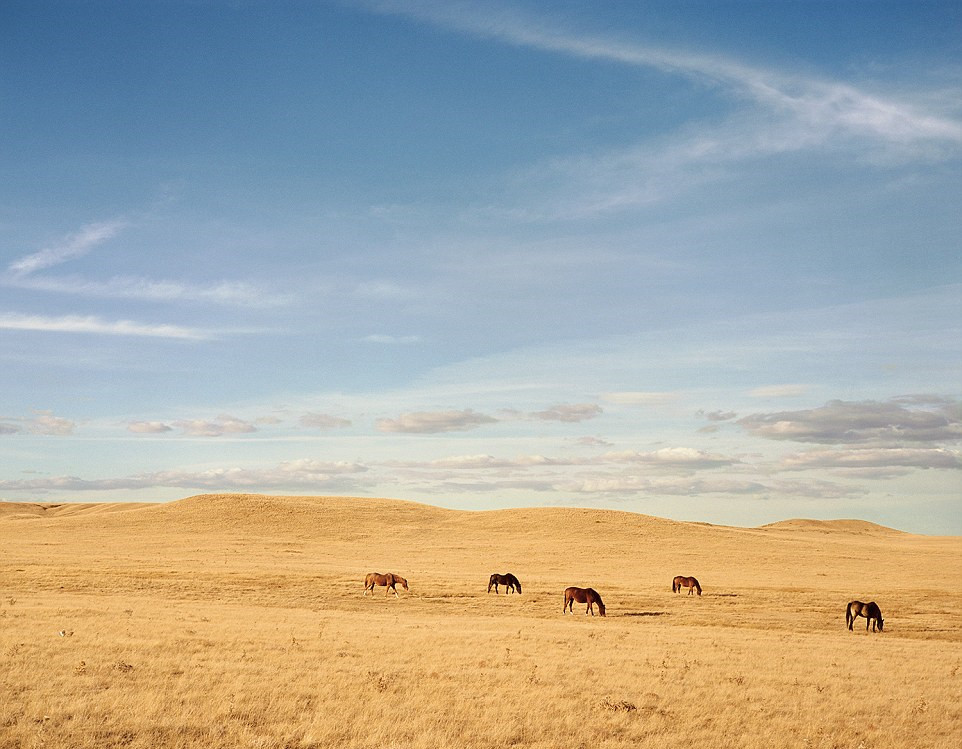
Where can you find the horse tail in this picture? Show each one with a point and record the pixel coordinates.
(674, 586)
(848, 615)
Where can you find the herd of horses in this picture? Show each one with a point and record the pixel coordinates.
(590, 596)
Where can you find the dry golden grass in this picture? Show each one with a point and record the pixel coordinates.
(239, 621)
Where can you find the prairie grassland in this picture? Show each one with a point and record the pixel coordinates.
(239, 621)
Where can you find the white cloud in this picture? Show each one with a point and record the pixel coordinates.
(223, 424)
(718, 415)
(308, 475)
(592, 442)
(683, 457)
(323, 421)
(148, 427)
(46, 423)
(71, 246)
(854, 422)
(430, 422)
(884, 458)
(569, 412)
(95, 325)
(310, 467)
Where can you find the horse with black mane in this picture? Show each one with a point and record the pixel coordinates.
(389, 581)
(869, 610)
(583, 595)
(685, 582)
(509, 581)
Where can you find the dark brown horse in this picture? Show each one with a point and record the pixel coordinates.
(685, 582)
(390, 580)
(509, 581)
(583, 595)
(869, 610)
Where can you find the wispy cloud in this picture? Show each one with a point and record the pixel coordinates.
(823, 107)
(773, 113)
(780, 391)
(232, 293)
(641, 398)
(73, 245)
(392, 339)
(385, 290)
(94, 325)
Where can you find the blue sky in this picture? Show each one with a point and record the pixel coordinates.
(696, 260)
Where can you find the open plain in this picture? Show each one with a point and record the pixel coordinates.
(240, 621)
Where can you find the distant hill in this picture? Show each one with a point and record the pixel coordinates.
(831, 526)
(301, 539)
(65, 509)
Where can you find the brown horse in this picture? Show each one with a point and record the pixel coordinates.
(390, 580)
(685, 582)
(869, 610)
(509, 581)
(583, 595)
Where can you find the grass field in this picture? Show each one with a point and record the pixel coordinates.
(239, 621)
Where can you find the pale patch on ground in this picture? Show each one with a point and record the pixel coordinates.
(239, 621)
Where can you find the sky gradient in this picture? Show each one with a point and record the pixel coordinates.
(695, 260)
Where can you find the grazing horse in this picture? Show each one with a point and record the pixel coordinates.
(583, 595)
(390, 580)
(509, 581)
(869, 610)
(685, 582)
